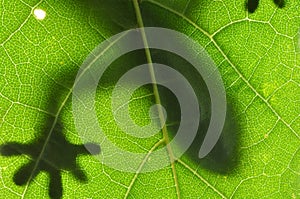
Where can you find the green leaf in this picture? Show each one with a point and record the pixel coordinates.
(257, 54)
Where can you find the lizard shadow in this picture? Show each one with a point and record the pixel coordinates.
(59, 155)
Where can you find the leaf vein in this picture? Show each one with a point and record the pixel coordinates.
(228, 60)
(201, 178)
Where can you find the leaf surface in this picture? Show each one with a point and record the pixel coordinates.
(257, 54)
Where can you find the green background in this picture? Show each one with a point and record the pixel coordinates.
(258, 56)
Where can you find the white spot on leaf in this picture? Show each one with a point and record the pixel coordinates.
(39, 14)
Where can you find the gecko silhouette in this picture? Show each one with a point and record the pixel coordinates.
(252, 5)
(55, 156)
(59, 154)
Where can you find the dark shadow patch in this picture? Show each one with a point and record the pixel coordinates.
(251, 5)
(279, 3)
(119, 15)
(224, 156)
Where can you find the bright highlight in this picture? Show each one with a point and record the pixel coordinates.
(39, 14)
